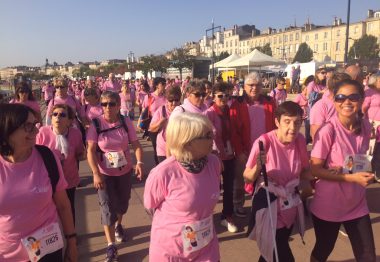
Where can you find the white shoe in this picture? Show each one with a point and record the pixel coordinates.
(231, 227)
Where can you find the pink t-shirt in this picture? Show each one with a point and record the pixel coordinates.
(141, 97)
(378, 134)
(219, 145)
(161, 137)
(29, 103)
(156, 102)
(126, 103)
(322, 111)
(48, 92)
(372, 102)
(92, 112)
(257, 119)
(114, 86)
(113, 141)
(190, 108)
(312, 86)
(301, 100)
(339, 201)
(179, 198)
(278, 95)
(47, 137)
(26, 203)
(284, 164)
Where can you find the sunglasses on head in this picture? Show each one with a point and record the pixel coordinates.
(173, 100)
(110, 104)
(340, 98)
(198, 95)
(60, 87)
(56, 114)
(222, 96)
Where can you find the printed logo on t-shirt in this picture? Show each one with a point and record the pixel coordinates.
(357, 163)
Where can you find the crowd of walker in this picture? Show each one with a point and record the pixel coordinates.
(205, 138)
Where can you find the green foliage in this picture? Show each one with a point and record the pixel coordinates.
(181, 59)
(266, 49)
(152, 63)
(304, 54)
(222, 56)
(365, 47)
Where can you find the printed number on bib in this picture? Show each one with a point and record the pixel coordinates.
(42, 242)
(197, 235)
(115, 159)
(357, 163)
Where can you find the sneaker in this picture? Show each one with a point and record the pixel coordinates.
(240, 212)
(229, 224)
(111, 254)
(120, 234)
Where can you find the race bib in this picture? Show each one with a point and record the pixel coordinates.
(42, 242)
(292, 200)
(197, 235)
(357, 163)
(115, 159)
(228, 149)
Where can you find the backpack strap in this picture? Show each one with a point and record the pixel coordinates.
(50, 165)
(96, 123)
(122, 122)
(183, 109)
(164, 111)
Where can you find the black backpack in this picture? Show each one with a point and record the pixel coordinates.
(50, 165)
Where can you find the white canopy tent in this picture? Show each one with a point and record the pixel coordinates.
(255, 59)
(226, 60)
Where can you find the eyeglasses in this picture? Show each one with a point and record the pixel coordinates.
(110, 104)
(252, 85)
(173, 100)
(29, 127)
(60, 87)
(323, 72)
(221, 96)
(56, 114)
(198, 95)
(340, 98)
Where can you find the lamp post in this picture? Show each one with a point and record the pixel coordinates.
(347, 32)
(213, 29)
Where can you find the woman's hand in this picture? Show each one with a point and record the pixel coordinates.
(71, 253)
(362, 178)
(98, 181)
(139, 172)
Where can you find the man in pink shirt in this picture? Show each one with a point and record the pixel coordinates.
(111, 84)
(279, 93)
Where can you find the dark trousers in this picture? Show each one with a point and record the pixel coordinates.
(359, 231)
(376, 160)
(71, 195)
(153, 138)
(282, 240)
(161, 158)
(228, 187)
(53, 257)
(307, 131)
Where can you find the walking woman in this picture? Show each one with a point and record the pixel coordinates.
(183, 190)
(340, 197)
(67, 141)
(24, 95)
(33, 200)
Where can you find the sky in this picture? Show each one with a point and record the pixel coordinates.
(89, 30)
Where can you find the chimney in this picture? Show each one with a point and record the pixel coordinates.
(335, 21)
(339, 21)
(370, 13)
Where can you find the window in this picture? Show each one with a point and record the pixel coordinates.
(297, 46)
(377, 15)
(297, 36)
(369, 26)
(280, 39)
(285, 49)
(285, 38)
(324, 46)
(325, 35)
(316, 37)
(275, 40)
(291, 49)
(338, 33)
(307, 38)
(291, 38)
(316, 47)
(235, 42)
(356, 29)
(337, 46)
(231, 43)
(227, 44)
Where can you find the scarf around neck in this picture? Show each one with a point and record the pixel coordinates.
(194, 166)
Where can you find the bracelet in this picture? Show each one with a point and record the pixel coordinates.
(139, 162)
(71, 236)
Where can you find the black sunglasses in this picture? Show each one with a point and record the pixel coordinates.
(198, 95)
(223, 96)
(173, 100)
(340, 98)
(110, 104)
(63, 115)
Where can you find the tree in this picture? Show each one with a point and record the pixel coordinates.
(304, 54)
(365, 47)
(266, 49)
(222, 56)
(181, 59)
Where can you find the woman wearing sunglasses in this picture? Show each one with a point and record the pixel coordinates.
(160, 120)
(25, 96)
(340, 197)
(29, 205)
(219, 115)
(67, 142)
(183, 191)
(195, 98)
(111, 163)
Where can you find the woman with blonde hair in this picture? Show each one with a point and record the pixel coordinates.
(183, 190)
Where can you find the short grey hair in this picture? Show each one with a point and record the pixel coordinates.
(254, 76)
(373, 79)
(111, 95)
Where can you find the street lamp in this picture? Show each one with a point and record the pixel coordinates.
(212, 29)
(347, 32)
